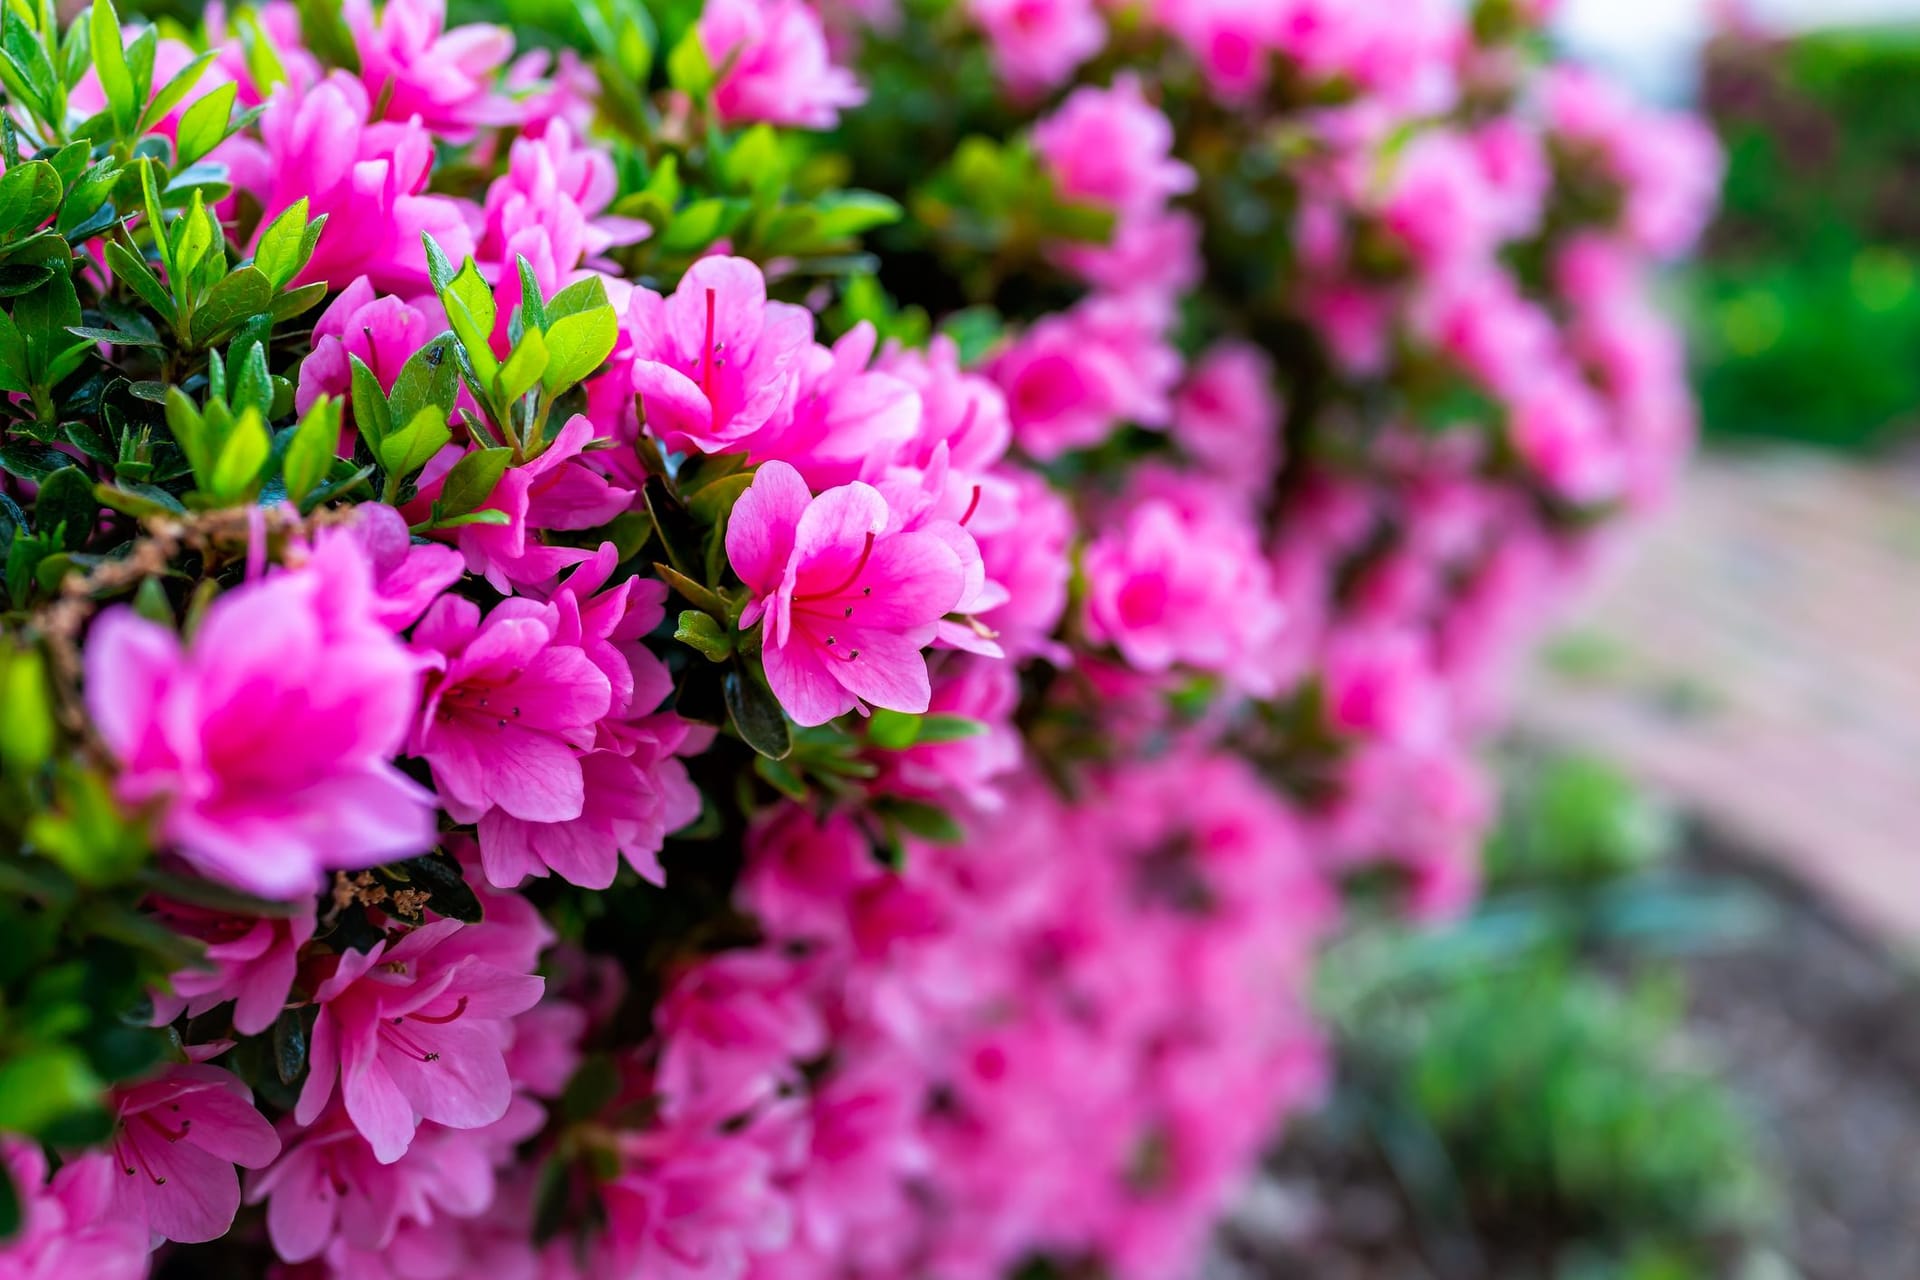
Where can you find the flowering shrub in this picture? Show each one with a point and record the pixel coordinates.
(753, 640)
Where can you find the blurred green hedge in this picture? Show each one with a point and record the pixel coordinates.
(1807, 292)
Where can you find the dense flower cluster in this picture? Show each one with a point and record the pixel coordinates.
(781, 680)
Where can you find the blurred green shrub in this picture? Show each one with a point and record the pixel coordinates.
(1806, 297)
(1525, 1074)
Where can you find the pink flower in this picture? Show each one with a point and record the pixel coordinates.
(1231, 39)
(551, 206)
(267, 746)
(774, 64)
(1024, 531)
(849, 603)
(1227, 415)
(370, 180)
(176, 1143)
(1172, 588)
(961, 410)
(383, 332)
(253, 961)
(417, 69)
(1112, 147)
(692, 1202)
(630, 804)
(732, 1029)
(1038, 43)
(716, 360)
(972, 768)
(508, 710)
(1559, 427)
(842, 420)
(407, 575)
(1075, 376)
(67, 1227)
(414, 1031)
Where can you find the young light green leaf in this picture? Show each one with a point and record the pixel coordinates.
(203, 126)
(412, 446)
(429, 379)
(524, 367)
(311, 449)
(29, 195)
(577, 345)
(174, 91)
(371, 416)
(110, 61)
(278, 255)
(238, 298)
(237, 470)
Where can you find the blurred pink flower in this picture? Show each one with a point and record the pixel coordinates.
(774, 64)
(267, 745)
(418, 70)
(67, 1227)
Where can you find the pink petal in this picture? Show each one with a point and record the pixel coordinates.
(129, 661)
(760, 531)
(379, 1110)
(798, 674)
(465, 1087)
(890, 672)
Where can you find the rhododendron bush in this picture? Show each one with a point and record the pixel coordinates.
(756, 639)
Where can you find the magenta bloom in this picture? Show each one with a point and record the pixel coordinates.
(849, 604)
(507, 710)
(963, 411)
(407, 575)
(67, 1227)
(370, 179)
(550, 206)
(418, 69)
(268, 744)
(1038, 43)
(414, 1031)
(716, 360)
(1112, 147)
(253, 961)
(1075, 376)
(383, 331)
(178, 1139)
(842, 420)
(1227, 415)
(774, 64)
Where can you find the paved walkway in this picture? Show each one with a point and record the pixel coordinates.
(1758, 658)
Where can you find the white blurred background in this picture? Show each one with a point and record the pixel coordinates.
(1651, 43)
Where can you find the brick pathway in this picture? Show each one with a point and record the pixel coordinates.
(1758, 659)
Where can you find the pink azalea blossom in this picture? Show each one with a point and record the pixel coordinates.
(418, 70)
(1024, 531)
(369, 179)
(267, 744)
(252, 961)
(550, 206)
(849, 603)
(413, 1030)
(508, 710)
(842, 419)
(383, 332)
(774, 64)
(176, 1142)
(716, 360)
(961, 410)
(1112, 147)
(67, 1225)
(1074, 377)
(1227, 415)
(407, 575)
(1038, 43)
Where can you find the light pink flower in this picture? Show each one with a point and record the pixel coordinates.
(842, 421)
(551, 206)
(267, 746)
(1037, 44)
(959, 409)
(1227, 415)
(1112, 147)
(716, 360)
(252, 962)
(383, 332)
(369, 179)
(407, 575)
(849, 603)
(413, 1030)
(691, 1202)
(176, 1142)
(1075, 376)
(417, 69)
(508, 710)
(774, 64)
(67, 1227)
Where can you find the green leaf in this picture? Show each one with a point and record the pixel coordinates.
(577, 345)
(893, 730)
(704, 598)
(174, 91)
(756, 716)
(471, 481)
(40, 1086)
(237, 469)
(289, 1045)
(279, 254)
(688, 68)
(311, 449)
(189, 429)
(132, 270)
(66, 503)
(31, 461)
(26, 710)
(471, 313)
(701, 633)
(412, 446)
(929, 822)
(713, 503)
(942, 728)
(852, 213)
(371, 416)
(110, 61)
(238, 298)
(449, 893)
(295, 301)
(524, 367)
(203, 126)
(532, 309)
(29, 195)
(428, 380)
(14, 372)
